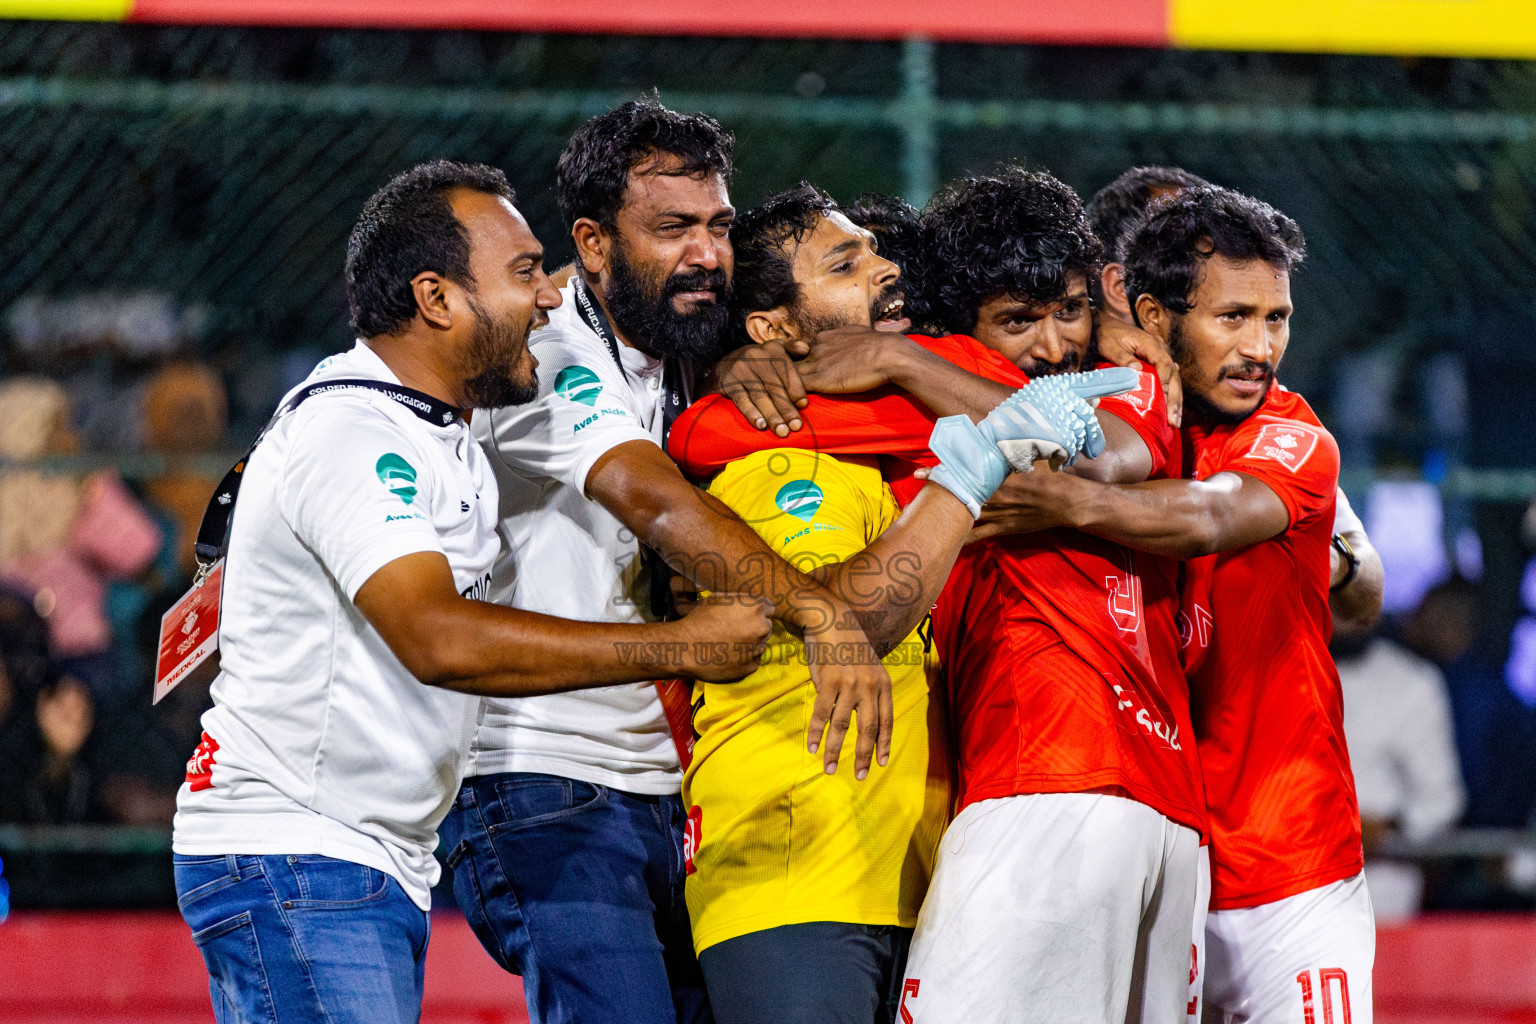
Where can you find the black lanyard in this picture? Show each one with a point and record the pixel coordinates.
(673, 397)
(213, 535)
(673, 401)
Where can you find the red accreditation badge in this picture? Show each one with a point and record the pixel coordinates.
(676, 702)
(189, 634)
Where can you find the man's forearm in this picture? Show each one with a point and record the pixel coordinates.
(892, 584)
(444, 639)
(942, 386)
(503, 652)
(1358, 602)
(704, 540)
(700, 537)
(1179, 518)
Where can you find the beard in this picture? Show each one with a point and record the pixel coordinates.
(811, 322)
(643, 310)
(1196, 405)
(496, 366)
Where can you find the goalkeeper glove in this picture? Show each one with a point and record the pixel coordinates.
(1048, 418)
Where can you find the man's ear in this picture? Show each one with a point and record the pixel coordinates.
(592, 245)
(1112, 281)
(768, 325)
(1153, 317)
(431, 293)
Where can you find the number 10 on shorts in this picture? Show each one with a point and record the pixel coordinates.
(1328, 978)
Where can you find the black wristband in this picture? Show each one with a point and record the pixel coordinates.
(1342, 546)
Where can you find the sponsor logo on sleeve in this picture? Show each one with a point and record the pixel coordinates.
(397, 475)
(1290, 444)
(578, 384)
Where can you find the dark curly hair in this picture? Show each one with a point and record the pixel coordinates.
(594, 167)
(1015, 232)
(895, 223)
(1165, 256)
(407, 227)
(765, 276)
(1114, 209)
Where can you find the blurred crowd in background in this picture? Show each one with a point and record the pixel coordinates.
(107, 462)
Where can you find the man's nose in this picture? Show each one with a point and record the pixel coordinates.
(1049, 346)
(886, 273)
(1253, 343)
(546, 296)
(702, 250)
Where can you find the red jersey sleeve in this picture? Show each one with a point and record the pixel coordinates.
(1146, 411)
(712, 432)
(1295, 458)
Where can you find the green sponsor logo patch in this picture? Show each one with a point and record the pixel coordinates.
(398, 475)
(579, 384)
(800, 498)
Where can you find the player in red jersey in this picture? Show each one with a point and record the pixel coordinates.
(1290, 935)
(1357, 575)
(1066, 883)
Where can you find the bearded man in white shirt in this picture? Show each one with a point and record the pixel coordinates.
(568, 839)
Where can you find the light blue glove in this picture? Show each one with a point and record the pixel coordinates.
(1048, 418)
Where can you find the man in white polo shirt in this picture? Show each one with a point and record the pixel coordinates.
(355, 638)
(567, 841)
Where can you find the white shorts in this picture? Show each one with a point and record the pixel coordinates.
(1197, 936)
(1306, 959)
(1056, 907)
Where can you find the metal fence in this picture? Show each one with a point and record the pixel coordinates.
(222, 169)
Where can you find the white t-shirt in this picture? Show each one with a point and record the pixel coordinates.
(1402, 746)
(566, 555)
(1344, 519)
(325, 743)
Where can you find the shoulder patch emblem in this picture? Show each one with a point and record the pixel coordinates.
(1290, 444)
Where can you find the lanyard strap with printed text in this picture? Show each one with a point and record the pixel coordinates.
(213, 534)
(189, 630)
(673, 396)
(674, 693)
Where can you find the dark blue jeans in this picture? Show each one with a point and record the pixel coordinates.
(299, 939)
(579, 889)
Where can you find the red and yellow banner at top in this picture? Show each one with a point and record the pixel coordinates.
(1451, 28)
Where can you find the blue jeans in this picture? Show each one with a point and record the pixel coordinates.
(304, 938)
(579, 889)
